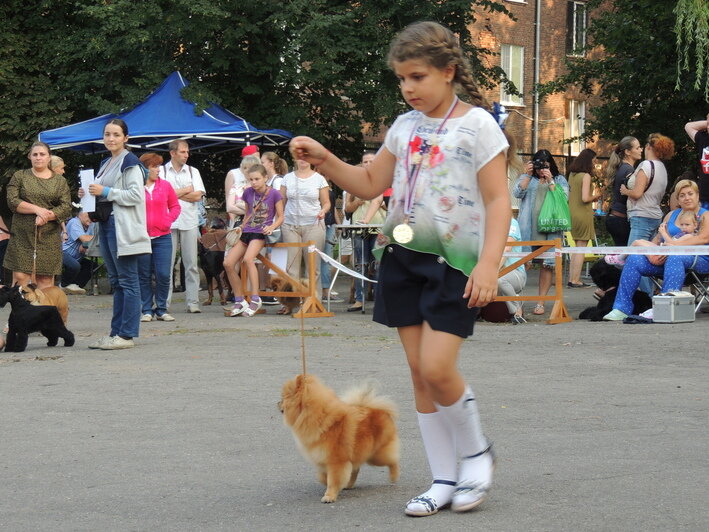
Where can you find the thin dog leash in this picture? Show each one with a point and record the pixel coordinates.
(34, 256)
(302, 335)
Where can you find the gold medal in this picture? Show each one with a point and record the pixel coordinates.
(403, 233)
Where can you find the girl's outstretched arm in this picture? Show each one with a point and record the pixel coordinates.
(367, 183)
(481, 287)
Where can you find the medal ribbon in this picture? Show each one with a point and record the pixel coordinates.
(413, 173)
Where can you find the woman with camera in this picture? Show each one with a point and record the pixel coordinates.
(541, 175)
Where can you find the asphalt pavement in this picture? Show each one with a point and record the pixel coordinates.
(597, 426)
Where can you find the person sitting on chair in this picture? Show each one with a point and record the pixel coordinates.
(77, 268)
(672, 268)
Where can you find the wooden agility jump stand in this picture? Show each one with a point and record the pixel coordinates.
(559, 312)
(312, 307)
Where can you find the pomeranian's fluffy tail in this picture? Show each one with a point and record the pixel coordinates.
(365, 395)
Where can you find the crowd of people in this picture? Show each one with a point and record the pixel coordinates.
(159, 212)
(426, 248)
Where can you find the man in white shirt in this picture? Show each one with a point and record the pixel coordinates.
(189, 188)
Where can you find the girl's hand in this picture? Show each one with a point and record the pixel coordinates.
(624, 190)
(95, 189)
(546, 174)
(321, 215)
(268, 230)
(529, 168)
(82, 193)
(307, 149)
(39, 221)
(481, 287)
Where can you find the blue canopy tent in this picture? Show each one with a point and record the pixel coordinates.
(165, 116)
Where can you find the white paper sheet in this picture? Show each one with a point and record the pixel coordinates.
(279, 257)
(88, 202)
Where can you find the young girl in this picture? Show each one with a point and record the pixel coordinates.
(264, 214)
(442, 242)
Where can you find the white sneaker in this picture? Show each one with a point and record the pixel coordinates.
(116, 342)
(193, 308)
(146, 317)
(165, 317)
(74, 289)
(615, 315)
(101, 341)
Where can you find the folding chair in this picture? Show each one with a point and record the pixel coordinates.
(700, 286)
(588, 258)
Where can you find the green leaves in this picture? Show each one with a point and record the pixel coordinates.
(629, 66)
(309, 66)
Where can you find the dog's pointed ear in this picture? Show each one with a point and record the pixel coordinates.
(299, 381)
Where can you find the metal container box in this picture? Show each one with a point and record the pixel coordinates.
(673, 307)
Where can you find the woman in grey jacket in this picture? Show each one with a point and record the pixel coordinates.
(123, 234)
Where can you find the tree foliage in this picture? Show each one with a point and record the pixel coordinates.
(309, 66)
(629, 65)
(692, 29)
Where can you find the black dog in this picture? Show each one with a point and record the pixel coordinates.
(26, 318)
(607, 278)
(211, 260)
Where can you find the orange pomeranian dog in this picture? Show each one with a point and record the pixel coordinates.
(339, 435)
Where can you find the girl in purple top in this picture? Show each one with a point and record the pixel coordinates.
(264, 214)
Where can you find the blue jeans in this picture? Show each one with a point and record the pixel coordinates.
(123, 276)
(643, 228)
(325, 276)
(362, 249)
(673, 272)
(158, 264)
(76, 271)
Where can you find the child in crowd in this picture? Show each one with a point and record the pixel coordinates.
(686, 221)
(441, 245)
(264, 214)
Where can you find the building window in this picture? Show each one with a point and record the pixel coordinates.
(575, 124)
(512, 62)
(576, 22)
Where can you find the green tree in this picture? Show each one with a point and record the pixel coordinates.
(309, 66)
(629, 65)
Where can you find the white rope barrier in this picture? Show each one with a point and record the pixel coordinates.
(618, 250)
(341, 267)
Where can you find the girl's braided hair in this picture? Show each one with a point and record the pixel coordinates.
(438, 46)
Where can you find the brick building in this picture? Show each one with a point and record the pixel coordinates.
(529, 57)
(517, 47)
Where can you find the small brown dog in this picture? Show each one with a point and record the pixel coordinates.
(279, 284)
(339, 435)
(52, 295)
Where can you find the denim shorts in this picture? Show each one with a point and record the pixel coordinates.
(415, 287)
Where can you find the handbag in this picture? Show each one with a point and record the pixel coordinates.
(103, 211)
(275, 237)
(554, 216)
(630, 180)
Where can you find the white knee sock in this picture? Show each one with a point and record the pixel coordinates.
(470, 440)
(439, 444)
